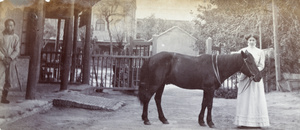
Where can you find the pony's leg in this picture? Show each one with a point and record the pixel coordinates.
(210, 97)
(145, 112)
(158, 96)
(201, 115)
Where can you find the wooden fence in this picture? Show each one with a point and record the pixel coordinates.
(116, 72)
(50, 68)
(119, 72)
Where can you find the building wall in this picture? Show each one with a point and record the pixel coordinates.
(175, 40)
(10, 11)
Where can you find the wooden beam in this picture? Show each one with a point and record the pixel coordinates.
(87, 50)
(68, 50)
(35, 58)
(58, 35)
(73, 67)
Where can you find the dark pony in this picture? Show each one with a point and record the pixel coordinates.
(205, 72)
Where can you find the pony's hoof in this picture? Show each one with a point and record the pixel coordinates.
(202, 124)
(211, 125)
(165, 122)
(147, 123)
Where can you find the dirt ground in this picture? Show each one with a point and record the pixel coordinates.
(181, 108)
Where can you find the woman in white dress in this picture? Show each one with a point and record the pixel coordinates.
(251, 108)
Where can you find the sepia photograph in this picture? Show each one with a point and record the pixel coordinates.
(149, 64)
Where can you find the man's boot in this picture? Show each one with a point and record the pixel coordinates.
(4, 96)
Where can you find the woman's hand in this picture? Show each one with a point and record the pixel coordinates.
(7, 60)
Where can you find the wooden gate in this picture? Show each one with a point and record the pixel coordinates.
(50, 69)
(116, 72)
(120, 72)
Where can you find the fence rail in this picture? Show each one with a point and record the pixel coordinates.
(116, 72)
(119, 72)
(50, 67)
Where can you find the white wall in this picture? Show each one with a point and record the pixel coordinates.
(176, 40)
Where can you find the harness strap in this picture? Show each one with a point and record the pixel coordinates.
(246, 85)
(215, 68)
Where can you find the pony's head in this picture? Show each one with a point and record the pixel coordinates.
(249, 67)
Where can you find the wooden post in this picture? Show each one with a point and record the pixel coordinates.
(87, 50)
(276, 46)
(33, 72)
(74, 48)
(58, 35)
(68, 50)
(260, 37)
(154, 44)
(208, 49)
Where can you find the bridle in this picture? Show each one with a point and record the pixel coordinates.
(250, 78)
(245, 62)
(217, 73)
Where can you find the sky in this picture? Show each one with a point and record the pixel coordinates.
(164, 9)
(167, 9)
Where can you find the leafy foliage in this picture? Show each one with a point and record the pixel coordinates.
(226, 93)
(114, 11)
(227, 23)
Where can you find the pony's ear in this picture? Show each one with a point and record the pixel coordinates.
(244, 54)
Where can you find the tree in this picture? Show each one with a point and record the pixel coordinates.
(113, 11)
(230, 21)
(227, 22)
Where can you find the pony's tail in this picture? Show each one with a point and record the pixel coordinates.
(144, 82)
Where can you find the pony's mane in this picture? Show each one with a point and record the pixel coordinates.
(230, 61)
(230, 56)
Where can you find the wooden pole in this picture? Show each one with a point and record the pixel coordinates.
(34, 63)
(68, 50)
(260, 35)
(87, 50)
(58, 35)
(276, 46)
(74, 48)
(208, 49)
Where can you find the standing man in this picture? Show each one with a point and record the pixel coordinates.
(9, 50)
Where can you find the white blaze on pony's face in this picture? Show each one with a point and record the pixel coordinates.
(249, 68)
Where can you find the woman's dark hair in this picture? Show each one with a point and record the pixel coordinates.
(8, 20)
(251, 35)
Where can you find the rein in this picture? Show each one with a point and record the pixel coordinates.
(217, 73)
(250, 78)
(215, 68)
(246, 85)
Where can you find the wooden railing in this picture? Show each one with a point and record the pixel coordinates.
(116, 72)
(50, 68)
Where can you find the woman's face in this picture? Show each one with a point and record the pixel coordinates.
(251, 41)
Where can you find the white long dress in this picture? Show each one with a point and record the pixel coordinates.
(251, 107)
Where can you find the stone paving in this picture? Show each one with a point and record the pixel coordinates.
(49, 96)
(87, 102)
